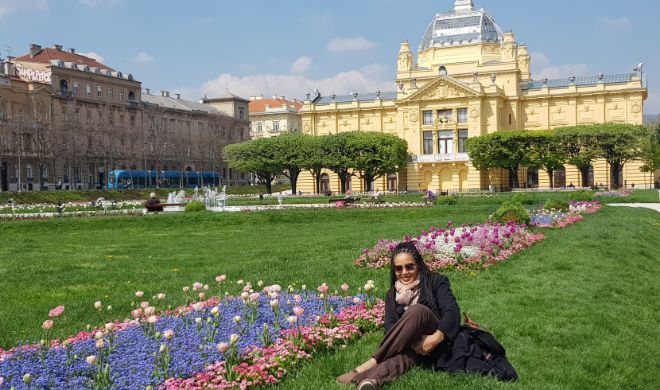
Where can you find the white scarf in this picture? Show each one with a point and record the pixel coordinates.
(407, 294)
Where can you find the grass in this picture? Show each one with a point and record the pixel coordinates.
(577, 310)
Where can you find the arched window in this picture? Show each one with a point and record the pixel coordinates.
(64, 87)
(131, 95)
(324, 183)
(392, 182)
(442, 70)
(559, 178)
(532, 178)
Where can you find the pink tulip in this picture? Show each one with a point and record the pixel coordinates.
(137, 313)
(220, 278)
(139, 294)
(323, 288)
(344, 287)
(168, 334)
(56, 312)
(48, 324)
(297, 310)
(197, 286)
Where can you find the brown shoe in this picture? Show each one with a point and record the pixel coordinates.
(347, 379)
(368, 384)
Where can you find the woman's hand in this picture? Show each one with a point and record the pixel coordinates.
(428, 343)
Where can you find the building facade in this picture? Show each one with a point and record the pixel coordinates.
(67, 120)
(272, 117)
(470, 79)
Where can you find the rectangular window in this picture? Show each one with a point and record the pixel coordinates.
(428, 117)
(121, 95)
(445, 142)
(89, 118)
(259, 127)
(44, 173)
(462, 138)
(241, 112)
(110, 93)
(462, 115)
(29, 171)
(88, 90)
(276, 126)
(444, 114)
(428, 142)
(99, 91)
(75, 89)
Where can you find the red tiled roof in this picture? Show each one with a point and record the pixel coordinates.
(259, 105)
(47, 54)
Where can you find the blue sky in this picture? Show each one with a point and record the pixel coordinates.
(290, 47)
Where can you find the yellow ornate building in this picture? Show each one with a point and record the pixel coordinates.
(472, 79)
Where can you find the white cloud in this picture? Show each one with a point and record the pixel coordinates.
(93, 55)
(301, 65)
(8, 7)
(96, 3)
(349, 44)
(364, 80)
(619, 23)
(144, 58)
(542, 67)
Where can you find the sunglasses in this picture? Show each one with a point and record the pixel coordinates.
(410, 267)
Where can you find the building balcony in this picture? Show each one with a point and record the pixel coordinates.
(435, 158)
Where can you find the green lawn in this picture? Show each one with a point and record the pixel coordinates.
(577, 310)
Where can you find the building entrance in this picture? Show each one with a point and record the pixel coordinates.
(4, 185)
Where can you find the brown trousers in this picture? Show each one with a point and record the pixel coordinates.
(395, 356)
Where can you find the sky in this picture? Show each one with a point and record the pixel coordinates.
(290, 47)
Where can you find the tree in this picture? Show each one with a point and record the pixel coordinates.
(255, 156)
(290, 152)
(650, 153)
(545, 152)
(316, 158)
(377, 155)
(618, 144)
(578, 145)
(504, 149)
(341, 156)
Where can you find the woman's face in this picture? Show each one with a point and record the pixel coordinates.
(405, 268)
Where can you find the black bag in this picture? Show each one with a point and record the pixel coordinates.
(476, 350)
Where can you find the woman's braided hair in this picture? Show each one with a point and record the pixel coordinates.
(424, 273)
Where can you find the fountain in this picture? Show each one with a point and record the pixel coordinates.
(214, 200)
(175, 198)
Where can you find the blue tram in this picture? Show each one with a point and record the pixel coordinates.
(123, 179)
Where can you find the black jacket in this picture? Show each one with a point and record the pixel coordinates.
(446, 309)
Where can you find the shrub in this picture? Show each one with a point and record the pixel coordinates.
(523, 197)
(555, 204)
(195, 206)
(511, 212)
(581, 196)
(447, 200)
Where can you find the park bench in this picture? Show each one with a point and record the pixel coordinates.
(160, 206)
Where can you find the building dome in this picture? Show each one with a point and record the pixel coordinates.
(462, 26)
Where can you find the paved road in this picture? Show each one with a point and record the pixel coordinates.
(652, 206)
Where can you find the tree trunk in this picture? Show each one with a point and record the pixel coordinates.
(293, 178)
(513, 178)
(342, 178)
(615, 171)
(551, 177)
(584, 173)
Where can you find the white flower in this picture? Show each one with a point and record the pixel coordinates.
(233, 338)
(98, 305)
(237, 319)
(292, 320)
(162, 348)
(215, 311)
(100, 343)
(168, 334)
(91, 360)
(110, 326)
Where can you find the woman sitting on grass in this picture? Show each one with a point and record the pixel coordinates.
(422, 327)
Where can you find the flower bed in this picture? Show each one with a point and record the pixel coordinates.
(46, 215)
(589, 207)
(231, 342)
(465, 247)
(553, 219)
(612, 193)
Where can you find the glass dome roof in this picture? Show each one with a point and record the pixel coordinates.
(464, 25)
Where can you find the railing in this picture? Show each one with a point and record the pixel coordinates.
(450, 157)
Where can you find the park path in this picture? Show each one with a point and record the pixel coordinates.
(652, 206)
